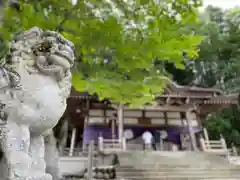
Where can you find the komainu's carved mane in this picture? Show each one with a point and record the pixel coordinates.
(30, 50)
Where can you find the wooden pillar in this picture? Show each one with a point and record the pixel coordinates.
(190, 130)
(72, 141)
(113, 126)
(161, 142)
(86, 120)
(120, 124)
(124, 147)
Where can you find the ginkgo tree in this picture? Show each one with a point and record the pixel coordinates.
(118, 42)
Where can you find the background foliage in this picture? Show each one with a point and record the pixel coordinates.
(217, 66)
(117, 42)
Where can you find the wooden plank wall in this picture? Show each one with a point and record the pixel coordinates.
(135, 117)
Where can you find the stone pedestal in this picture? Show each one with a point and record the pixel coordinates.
(24, 154)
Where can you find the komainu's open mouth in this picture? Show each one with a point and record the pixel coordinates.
(43, 47)
(55, 55)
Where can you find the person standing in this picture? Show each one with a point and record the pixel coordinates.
(154, 147)
(147, 139)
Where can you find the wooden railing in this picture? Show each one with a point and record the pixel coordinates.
(111, 144)
(74, 152)
(77, 152)
(215, 146)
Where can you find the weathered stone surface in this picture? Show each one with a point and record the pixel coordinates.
(52, 157)
(35, 81)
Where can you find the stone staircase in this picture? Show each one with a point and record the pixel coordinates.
(175, 166)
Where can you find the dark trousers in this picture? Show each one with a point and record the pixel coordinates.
(154, 147)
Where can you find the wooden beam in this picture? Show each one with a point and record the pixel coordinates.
(169, 108)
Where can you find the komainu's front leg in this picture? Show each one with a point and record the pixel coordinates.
(15, 142)
(36, 152)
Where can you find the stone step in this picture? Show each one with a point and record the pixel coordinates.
(176, 177)
(74, 178)
(170, 162)
(162, 178)
(183, 171)
(186, 166)
(175, 166)
(161, 160)
(177, 172)
(172, 173)
(170, 155)
(189, 169)
(180, 178)
(168, 174)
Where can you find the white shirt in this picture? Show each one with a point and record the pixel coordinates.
(147, 137)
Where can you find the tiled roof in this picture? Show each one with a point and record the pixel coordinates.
(228, 99)
(173, 90)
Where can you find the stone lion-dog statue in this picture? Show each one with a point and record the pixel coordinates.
(35, 81)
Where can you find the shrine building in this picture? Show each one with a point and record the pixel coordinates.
(176, 121)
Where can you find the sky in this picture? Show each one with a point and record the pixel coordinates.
(226, 4)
